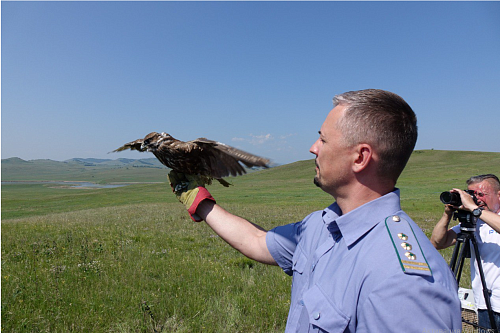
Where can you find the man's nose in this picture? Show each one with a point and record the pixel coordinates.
(314, 148)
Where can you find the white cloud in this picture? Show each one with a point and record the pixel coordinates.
(278, 143)
(279, 147)
(255, 139)
(260, 139)
(285, 136)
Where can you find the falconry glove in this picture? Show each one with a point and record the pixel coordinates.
(190, 191)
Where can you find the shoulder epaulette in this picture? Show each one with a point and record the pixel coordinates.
(408, 250)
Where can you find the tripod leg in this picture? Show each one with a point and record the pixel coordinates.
(457, 269)
(461, 266)
(485, 288)
(453, 261)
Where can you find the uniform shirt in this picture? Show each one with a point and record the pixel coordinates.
(488, 243)
(354, 272)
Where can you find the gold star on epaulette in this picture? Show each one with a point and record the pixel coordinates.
(409, 253)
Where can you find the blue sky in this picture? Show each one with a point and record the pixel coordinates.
(79, 79)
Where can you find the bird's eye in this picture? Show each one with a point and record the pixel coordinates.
(146, 142)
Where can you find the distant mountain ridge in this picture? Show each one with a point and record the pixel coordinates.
(120, 162)
(86, 169)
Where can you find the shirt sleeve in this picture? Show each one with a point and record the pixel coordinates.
(391, 308)
(282, 242)
(456, 228)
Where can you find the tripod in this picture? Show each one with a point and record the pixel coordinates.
(462, 250)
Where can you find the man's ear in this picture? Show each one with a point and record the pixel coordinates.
(363, 157)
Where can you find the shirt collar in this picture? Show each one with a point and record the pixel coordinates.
(358, 222)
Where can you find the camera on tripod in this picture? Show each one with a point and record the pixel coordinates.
(466, 242)
(453, 198)
(466, 219)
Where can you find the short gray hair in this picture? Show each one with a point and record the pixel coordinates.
(383, 120)
(491, 178)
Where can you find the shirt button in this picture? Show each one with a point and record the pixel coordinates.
(316, 315)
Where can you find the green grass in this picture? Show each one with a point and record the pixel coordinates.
(132, 269)
(40, 199)
(129, 259)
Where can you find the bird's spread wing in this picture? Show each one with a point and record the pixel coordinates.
(200, 156)
(134, 145)
(224, 160)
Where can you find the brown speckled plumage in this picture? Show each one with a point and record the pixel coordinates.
(203, 157)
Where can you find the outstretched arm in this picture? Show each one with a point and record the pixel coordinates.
(244, 236)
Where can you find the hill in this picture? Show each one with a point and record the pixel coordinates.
(84, 169)
(129, 259)
(428, 173)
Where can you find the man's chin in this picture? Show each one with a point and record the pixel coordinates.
(317, 182)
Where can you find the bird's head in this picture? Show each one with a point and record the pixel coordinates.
(151, 142)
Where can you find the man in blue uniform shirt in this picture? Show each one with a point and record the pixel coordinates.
(360, 265)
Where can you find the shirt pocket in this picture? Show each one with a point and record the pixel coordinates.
(323, 314)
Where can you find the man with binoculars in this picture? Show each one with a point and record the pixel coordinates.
(483, 201)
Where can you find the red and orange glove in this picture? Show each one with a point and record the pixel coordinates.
(190, 191)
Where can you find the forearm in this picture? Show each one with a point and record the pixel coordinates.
(492, 219)
(441, 236)
(489, 217)
(244, 236)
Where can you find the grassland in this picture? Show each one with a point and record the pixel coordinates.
(130, 260)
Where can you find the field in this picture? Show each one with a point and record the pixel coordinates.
(129, 259)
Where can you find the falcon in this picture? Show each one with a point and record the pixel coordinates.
(207, 158)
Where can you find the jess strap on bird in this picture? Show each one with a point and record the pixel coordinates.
(190, 191)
